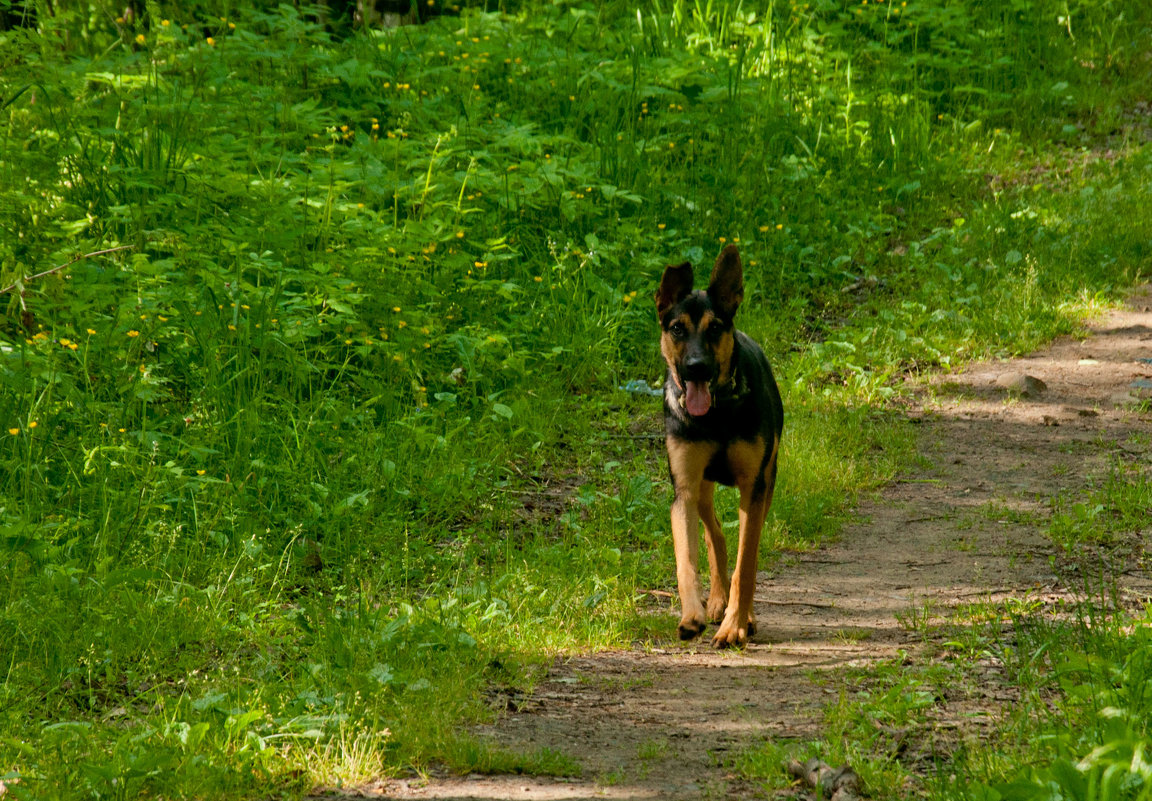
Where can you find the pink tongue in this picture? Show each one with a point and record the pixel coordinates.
(697, 398)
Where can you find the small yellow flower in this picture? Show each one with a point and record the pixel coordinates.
(402, 324)
(201, 472)
(779, 226)
(91, 332)
(141, 39)
(537, 279)
(231, 26)
(211, 42)
(13, 431)
(73, 346)
(65, 342)
(661, 226)
(164, 23)
(33, 424)
(133, 333)
(459, 234)
(765, 229)
(396, 309)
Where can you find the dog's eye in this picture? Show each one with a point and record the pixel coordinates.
(678, 330)
(713, 333)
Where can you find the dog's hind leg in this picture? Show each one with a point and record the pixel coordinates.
(717, 554)
(755, 498)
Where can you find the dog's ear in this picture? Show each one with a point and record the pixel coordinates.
(726, 289)
(674, 286)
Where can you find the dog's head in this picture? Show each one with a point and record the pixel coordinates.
(698, 333)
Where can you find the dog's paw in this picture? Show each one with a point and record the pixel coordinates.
(732, 634)
(717, 604)
(690, 629)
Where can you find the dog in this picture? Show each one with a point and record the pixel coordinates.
(723, 419)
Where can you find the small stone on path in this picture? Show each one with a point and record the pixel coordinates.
(1021, 384)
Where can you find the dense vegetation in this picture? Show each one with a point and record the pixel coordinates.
(337, 439)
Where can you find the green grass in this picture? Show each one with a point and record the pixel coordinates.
(1112, 513)
(338, 443)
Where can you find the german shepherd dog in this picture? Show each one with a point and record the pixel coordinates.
(722, 420)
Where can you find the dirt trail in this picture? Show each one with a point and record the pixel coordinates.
(658, 723)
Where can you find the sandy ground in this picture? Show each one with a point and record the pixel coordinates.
(660, 723)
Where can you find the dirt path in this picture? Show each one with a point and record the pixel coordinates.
(659, 723)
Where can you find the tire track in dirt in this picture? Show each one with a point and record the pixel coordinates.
(658, 723)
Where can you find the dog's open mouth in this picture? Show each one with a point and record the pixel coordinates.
(697, 398)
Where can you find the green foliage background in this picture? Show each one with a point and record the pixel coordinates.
(339, 441)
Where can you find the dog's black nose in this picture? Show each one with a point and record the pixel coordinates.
(696, 370)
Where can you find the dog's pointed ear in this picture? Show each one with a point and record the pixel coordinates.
(726, 289)
(674, 286)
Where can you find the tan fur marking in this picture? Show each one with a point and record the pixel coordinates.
(724, 350)
(673, 350)
(688, 460)
(744, 458)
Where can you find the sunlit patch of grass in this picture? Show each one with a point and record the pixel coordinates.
(1111, 513)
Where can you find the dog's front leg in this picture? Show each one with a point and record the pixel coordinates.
(687, 462)
(685, 540)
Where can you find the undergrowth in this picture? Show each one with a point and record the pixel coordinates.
(336, 441)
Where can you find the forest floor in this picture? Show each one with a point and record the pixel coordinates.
(964, 524)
